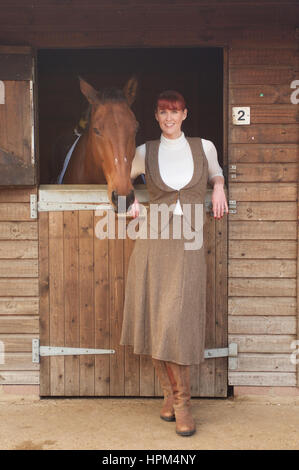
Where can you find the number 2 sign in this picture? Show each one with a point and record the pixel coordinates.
(241, 116)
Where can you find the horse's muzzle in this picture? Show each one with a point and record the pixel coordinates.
(122, 203)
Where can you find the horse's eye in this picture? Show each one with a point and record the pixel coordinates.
(96, 131)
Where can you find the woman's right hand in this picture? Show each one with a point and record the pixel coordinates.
(134, 209)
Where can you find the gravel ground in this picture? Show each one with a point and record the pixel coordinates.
(120, 423)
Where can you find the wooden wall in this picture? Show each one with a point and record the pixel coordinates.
(262, 39)
(263, 233)
(19, 292)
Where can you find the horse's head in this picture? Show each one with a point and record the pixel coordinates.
(111, 139)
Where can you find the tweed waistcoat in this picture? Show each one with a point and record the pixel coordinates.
(192, 193)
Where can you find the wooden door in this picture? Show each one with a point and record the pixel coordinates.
(82, 281)
(17, 150)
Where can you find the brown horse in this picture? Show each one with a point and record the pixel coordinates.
(104, 153)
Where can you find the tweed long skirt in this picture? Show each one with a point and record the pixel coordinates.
(165, 301)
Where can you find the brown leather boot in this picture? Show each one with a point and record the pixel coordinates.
(167, 411)
(180, 379)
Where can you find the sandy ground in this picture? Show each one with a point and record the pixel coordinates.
(134, 423)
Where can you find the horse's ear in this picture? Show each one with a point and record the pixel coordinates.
(88, 91)
(130, 90)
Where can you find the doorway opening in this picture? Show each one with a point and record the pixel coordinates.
(197, 73)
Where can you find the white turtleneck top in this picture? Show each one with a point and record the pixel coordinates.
(176, 163)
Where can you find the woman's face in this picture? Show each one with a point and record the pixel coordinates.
(170, 121)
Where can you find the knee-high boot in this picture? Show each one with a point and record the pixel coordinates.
(167, 411)
(180, 379)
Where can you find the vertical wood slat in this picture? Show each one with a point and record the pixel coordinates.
(206, 371)
(71, 288)
(297, 367)
(56, 300)
(116, 277)
(44, 300)
(101, 309)
(132, 361)
(86, 302)
(221, 364)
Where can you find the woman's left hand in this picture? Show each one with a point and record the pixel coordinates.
(219, 201)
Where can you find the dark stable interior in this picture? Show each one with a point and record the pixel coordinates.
(197, 73)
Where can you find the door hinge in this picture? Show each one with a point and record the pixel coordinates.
(38, 351)
(231, 352)
(33, 206)
(233, 171)
(232, 207)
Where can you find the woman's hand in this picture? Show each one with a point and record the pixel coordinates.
(219, 201)
(134, 209)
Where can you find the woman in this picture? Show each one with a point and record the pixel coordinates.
(165, 301)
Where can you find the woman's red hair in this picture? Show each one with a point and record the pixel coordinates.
(170, 99)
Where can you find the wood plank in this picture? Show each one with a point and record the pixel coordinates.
(265, 211)
(19, 362)
(272, 344)
(263, 153)
(271, 114)
(147, 377)
(86, 301)
(132, 361)
(262, 56)
(263, 192)
(264, 363)
(56, 284)
(25, 377)
(15, 211)
(266, 379)
(16, 194)
(71, 300)
(259, 94)
(203, 376)
(253, 172)
(102, 313)
(276, 249)
(274, 230)
(259, 75)
(251, 36)
(19, 306)
(221, 323)
(260, 325)
(18, 343)
(116, 279)
(18, 249)
(18, 268)
(18, 230)
(44, 300)
(262, 268)
(251, 306)
(99, 17)
(297, 368)
(19, 324)
(264, 134)
(16, 134)
(21, 287)
(262, 287)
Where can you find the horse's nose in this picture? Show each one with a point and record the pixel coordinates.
(122, 203)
